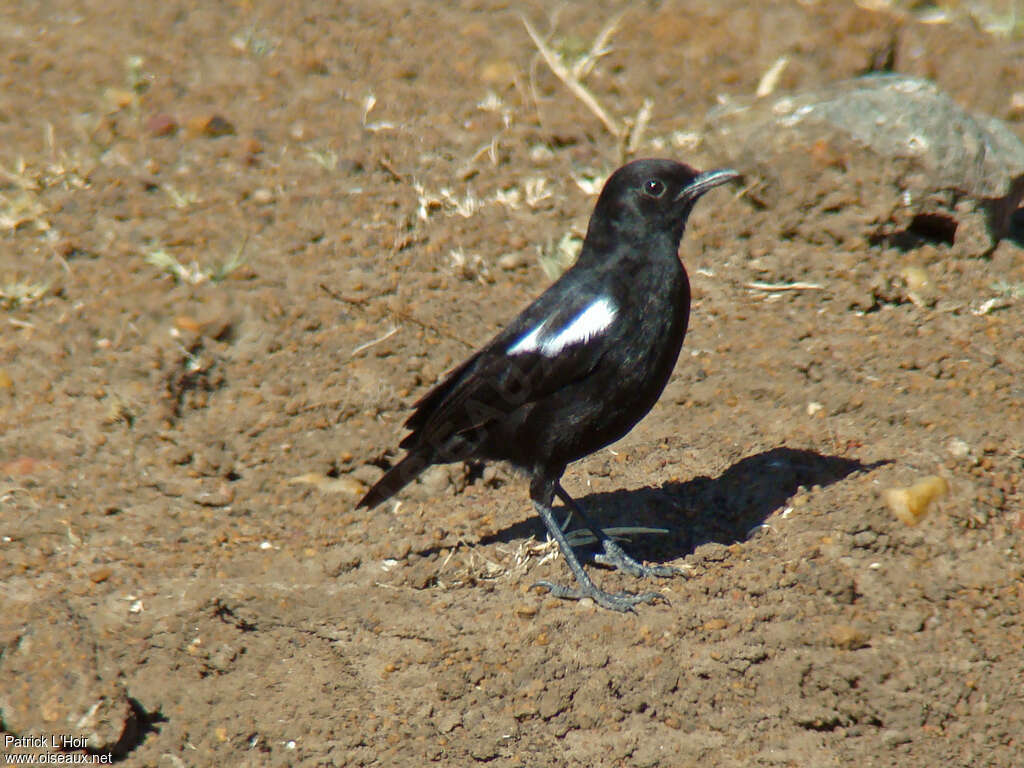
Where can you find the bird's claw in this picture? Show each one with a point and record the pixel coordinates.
(615, 557)
(623, 602)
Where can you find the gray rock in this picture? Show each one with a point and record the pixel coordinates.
(916, 136)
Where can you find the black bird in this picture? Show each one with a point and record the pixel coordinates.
(579, 367)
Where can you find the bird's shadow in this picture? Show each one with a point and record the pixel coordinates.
(725, 509)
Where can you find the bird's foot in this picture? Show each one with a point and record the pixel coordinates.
(623, 602)
(615, 557)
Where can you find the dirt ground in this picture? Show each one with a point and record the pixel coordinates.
(238, 240)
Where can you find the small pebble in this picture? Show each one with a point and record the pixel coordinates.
(346, 485)
(910, 505)
(341, 559)
(221, 496)
(210, 126)
(527, 609)
(161, 125)
(893, 738)
(119, 98)
(847, 637)
(262, 196)
(1016, 105)
(435, 481)
(958, 449)
(511, 261)
(920, 286)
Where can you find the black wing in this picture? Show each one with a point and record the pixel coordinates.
(526, 362)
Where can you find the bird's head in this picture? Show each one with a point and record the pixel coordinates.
(651, 197)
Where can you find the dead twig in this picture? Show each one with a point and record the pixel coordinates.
(636, 130)
(770, 79)
(367, 345)
(784, 286)
(572, 82)
(585, 65)
(401, 314)
(385, 164)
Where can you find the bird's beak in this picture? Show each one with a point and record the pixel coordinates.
(705, 181)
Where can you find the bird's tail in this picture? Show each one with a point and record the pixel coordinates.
(396, 478)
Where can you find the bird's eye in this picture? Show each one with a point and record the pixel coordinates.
(654, 188)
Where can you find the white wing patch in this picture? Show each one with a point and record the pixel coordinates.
(528, 343)
(585, 326)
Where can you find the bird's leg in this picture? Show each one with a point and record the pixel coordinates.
(614, 556)
(542, 490)
(568, 518)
